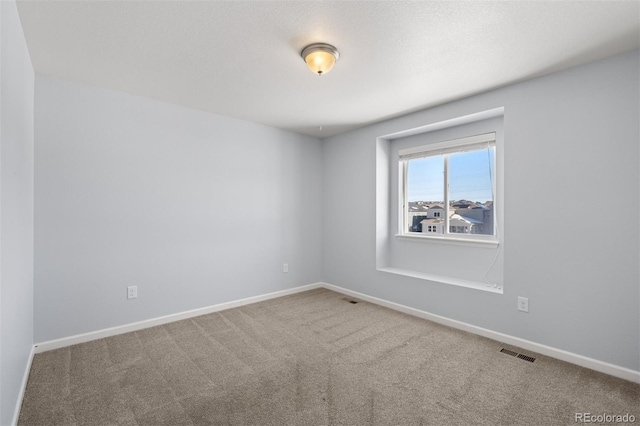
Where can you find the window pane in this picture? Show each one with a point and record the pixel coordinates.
(425, 194)
(470, 191)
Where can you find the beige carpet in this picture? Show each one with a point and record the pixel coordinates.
(311, 359)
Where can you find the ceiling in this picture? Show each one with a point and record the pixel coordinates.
(242, 58)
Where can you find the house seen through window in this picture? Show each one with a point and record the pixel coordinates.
(448, 188)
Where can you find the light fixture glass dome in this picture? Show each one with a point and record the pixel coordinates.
(320, 57)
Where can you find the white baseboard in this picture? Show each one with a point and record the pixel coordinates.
(583, 361)
(593, 364)
(23, 387)
(99, 334)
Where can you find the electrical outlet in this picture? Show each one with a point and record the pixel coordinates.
(285, 267)
(523, 304)
(132, 292)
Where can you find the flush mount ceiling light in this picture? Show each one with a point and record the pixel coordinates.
(320, 57)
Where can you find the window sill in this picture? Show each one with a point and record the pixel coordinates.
(450, 240)
(476, 285)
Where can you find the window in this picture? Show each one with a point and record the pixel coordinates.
(453, 182)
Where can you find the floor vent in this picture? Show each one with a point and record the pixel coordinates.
(517, 355)
(526, 357)
(508, 352)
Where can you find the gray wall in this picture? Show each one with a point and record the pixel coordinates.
(195, 209)
(16, 208)
(571, 142)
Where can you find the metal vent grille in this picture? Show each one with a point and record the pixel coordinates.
(508, 352)
(526, 357)
(517, 355)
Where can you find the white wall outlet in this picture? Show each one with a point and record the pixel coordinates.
(523, 304)
(132, 292)
(285, 267)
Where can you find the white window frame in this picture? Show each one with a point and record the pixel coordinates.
(470, 143)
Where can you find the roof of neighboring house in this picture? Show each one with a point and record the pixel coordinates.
(465, 219)
(431, 221)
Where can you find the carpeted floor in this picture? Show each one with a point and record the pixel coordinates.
(312, 358)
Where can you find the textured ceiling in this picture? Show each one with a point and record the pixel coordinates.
(241, 58)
